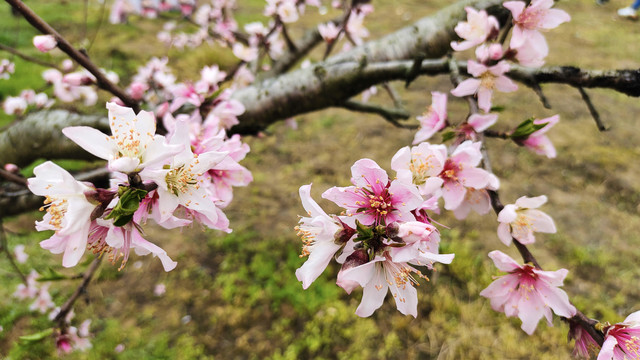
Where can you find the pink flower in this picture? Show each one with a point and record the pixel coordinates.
(585, 344)
(461, 172)
(28, 290)
(21, 256)
(133, 144)
(68, 211)
(319, 233)
(481, 122)
(527, 292)
(434, 120)
(420, 166)
(538, 142)
(373, 199)
(43, 302)
(530, 20)
(14, 105)
(478, 27)
(329, 31)
(45, 43)
(622, 340)
(159, 289)
(486, 52)
(245, 53)
(485, 80)
(422, 241)
(376, 277)
(521, 220)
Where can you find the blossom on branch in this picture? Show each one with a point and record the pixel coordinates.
(527, 292)
(45, 43)
(478, 27)
(68, 211)
(622, 340)
(434, 120)
(485, 80)
(521, 220)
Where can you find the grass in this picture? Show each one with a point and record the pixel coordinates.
(236, 296)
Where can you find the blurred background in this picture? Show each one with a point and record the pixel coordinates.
(236, 296)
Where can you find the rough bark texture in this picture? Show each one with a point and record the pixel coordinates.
(39, 135)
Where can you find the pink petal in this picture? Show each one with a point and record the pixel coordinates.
(557, 300)
(367, 172)
(516, 7)
(453, 194)
(467, 87)
(91, 140)
(505, 84)
(504, 233)
(531, 202)
(480, 122)
(475, 68)
(503, 261)
(373, 294)
(474, 177)
(553, 18)
(541, 222)
(406, 298)
(361, 275)
(530, 311)
(484, 99)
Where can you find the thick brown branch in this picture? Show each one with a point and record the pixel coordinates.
(74, 53)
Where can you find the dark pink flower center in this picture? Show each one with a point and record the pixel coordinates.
(450, 171)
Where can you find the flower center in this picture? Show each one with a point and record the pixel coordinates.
(420, 168)
(57, 208)
(180, 179)
(450, 171)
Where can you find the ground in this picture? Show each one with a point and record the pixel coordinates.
(236, 296)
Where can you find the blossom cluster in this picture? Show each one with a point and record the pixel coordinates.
(175, 179)
(6, 69)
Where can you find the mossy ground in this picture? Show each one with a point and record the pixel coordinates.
(236, 297)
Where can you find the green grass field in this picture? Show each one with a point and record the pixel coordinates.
(236, 296)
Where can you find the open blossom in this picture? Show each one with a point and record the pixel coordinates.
(20, 255)
(521, 220)
(421, 165)
(460, 172)
(133, 144)
(43, 301)
(318, 232)
(478, 27)
(373, 199)
(329, 31)
(28, 290)
(422, 241)
(434, 120)
(181, 183)
(14, 105)
(622, 340)
(355, 27)
(68, 211)
(538, 142)
(527, 292)
(44, 43)
(485, 80)
(477, 200)
(530, 20)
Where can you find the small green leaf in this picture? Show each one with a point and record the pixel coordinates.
(448, 136)
(27, 339)
(128, 204)
(526, 128)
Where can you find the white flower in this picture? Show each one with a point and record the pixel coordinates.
(520, 220)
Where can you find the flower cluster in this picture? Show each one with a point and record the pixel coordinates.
(18, 105)
(380, 239)
(6, 69)
(175, 179)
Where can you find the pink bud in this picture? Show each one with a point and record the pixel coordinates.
(44, 43)
(11, 167)
(137, 89)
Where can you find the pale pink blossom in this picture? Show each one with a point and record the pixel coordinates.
(478, 27)
(622, 340)
(319, 233)
(374, 199)
(6, 69)
(14, 105)
(530, 20)
(287, 11)
(28, 290)
(485, 80)
(355, 27)
(133, 144)
(68, 211)
(159, 289)
(528, 54)
(481, 122)
(585, 344)
(43, 301)
(420, 166)
(377, 277)
(434, 120)
(422, 241)
(527, 292)
(225, 114)
(461, 172)
(245, 53)
(21, 256)
(45, 43)
(521, 220)
(329, 31)
(538, 142)
(181, 183)
(486, 52)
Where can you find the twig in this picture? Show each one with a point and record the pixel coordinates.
(395, 97)
(74, 53)
(413, 73)
(290, 45)
(81, 289)
(507, 28)
(27, 57)
(592, 109)
(13, 177)
(5, 248)
(391, 115)
(497, 134)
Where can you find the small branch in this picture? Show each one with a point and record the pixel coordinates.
(13, 177)
(81, 289)
(497, 134)
(592, 109)
(74, 53)
(391, 115)
(4, 246)
(413, 73)
(395, 97)
(507, 28)
(27, 57)
(290, 45)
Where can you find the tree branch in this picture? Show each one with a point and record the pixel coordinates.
(391, 115)
(27, 57)
(82, 288)
(592, 109)
(74, 53)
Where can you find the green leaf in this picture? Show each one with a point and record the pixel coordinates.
(128, 204)
(526, 128)
(364, 232)
(448, 136)
(27, 339)
(51, 275)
